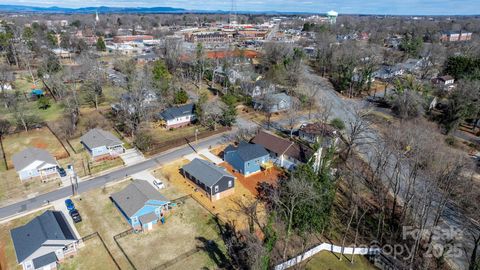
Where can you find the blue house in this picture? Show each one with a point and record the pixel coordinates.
(141, 205)
(246, 158)
(102, 144)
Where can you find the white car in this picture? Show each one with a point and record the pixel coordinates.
(159, 184)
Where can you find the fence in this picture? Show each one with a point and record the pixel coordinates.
(177, 259)
(327, 247)
(96, 234)
(58, 138)
(3, 153)
(120, 235)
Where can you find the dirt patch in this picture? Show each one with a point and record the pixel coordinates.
(39, 143)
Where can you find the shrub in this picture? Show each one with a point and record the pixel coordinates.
(337, 123)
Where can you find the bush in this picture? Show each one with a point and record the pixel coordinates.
(143, 141)
(181, 97)
(43, 103)
(337, 123)
(450, 140)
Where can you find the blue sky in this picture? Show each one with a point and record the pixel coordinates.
(406, 7)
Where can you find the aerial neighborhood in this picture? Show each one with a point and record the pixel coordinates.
(233, 137)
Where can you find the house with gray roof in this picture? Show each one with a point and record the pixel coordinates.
(273, 103)
(214, 180)
(246, 158)
(141, 204)
(101, 144)
(178, 116)
(44, 241)
(35, 163)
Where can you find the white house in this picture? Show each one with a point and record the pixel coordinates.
(44, 241)
(179, 116)
(102, 144)
(35, 163)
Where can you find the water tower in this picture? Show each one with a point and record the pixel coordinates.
(332, 16)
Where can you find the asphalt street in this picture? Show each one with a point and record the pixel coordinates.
(121, 173)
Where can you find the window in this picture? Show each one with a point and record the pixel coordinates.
(230, 183)
(216, 188)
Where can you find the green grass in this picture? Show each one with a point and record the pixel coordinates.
(105, 165)
(326, 260)
(161, 135)
(92, 256)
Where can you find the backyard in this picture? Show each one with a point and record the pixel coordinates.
(227, 208)
(326, 260)
(39, 138)
(92, 255)
(190, 226)
(100, 215)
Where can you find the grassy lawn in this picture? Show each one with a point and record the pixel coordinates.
(91, 256)
(7, 252)
(189, 226)
(100, 215)
(326, 260)
(12, 189)
(40, 138)
(161, 135)
(100, 166)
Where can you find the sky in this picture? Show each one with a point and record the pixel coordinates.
(390, 7)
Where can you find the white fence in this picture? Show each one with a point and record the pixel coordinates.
(327, 247)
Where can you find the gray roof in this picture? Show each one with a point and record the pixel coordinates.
(147, 218)
(205, 171)
(26, 157)
(44, 260)
(175, 112)
(133, 197)
(98, 137)
(247, 151)
(51, 225)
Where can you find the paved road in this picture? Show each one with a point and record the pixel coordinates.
(344, 108)
(38, 201)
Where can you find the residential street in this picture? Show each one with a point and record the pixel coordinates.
(344, 109)
(84, 186)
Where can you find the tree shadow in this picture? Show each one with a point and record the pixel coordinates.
(213, 251)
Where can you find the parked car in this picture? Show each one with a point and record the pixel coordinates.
(75, 216)
(158, 184)
(61, 171)
(70, 205)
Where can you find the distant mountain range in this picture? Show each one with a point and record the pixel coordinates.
(104, 9)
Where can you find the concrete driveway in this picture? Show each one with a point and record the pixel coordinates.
(59, 205)
(132, 156)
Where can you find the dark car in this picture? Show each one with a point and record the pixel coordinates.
(69, 204)
(75, 216)
(62, 172)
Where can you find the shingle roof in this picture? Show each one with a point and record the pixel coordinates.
(282, 146)
(26, 157)
(44, 260)
(205, 171)
(175, 112)
(51, 225)
(147, 218)
(247, 151)
(98, 137)
(133, 197)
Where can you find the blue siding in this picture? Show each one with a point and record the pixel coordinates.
(28, 174)
(246, 168)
